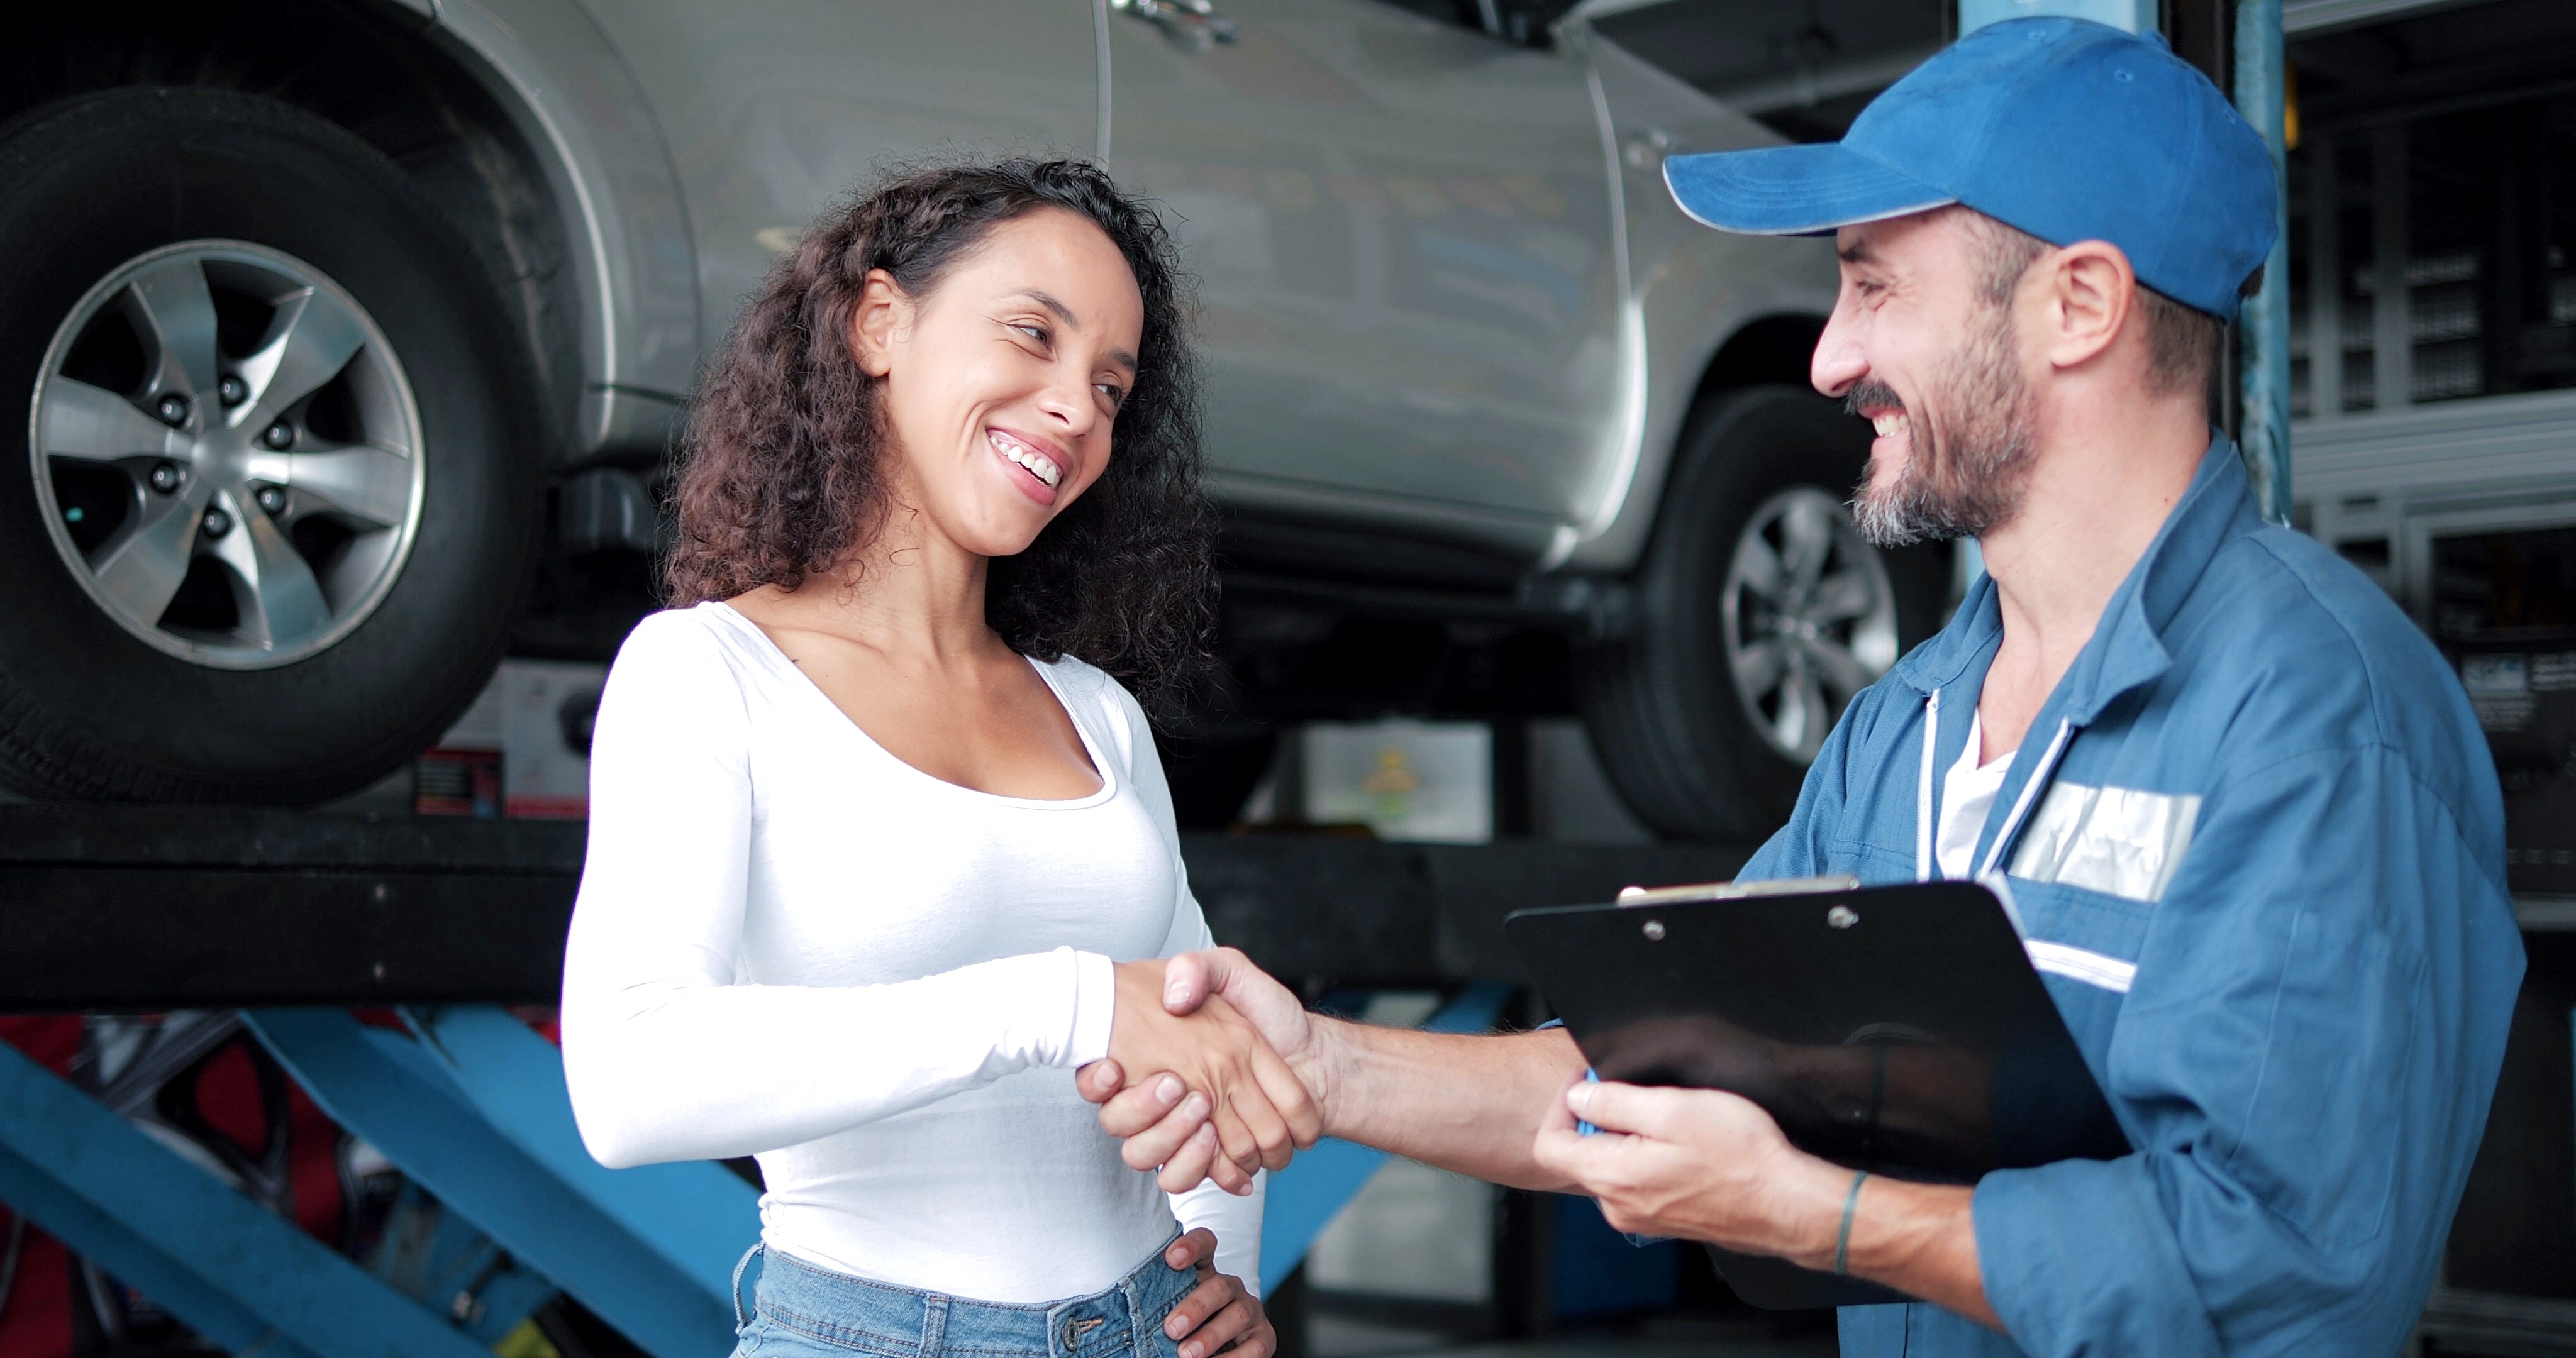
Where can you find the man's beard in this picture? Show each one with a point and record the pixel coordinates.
(1969, 462)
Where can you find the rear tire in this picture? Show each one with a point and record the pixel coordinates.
(1707, 716)
(389, 591)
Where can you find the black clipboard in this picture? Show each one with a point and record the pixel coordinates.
(1897, 1029)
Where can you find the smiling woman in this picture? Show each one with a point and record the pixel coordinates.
(787, 466)
(880, 848)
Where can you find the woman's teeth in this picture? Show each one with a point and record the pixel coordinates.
(1042, 468)
(1887, 424)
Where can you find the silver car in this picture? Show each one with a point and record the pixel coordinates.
(342, 325)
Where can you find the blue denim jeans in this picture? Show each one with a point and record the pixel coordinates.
(801, 1311)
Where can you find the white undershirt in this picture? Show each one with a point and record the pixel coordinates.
(793, 945)
(1967, 794)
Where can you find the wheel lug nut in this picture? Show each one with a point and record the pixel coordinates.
(216, 523)
(165, 477)
(173, 409)
(278, 435)
(272, 500)
(232, 391)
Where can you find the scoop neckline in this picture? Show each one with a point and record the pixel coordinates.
(778, 660)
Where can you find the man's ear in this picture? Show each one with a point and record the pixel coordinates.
(879, 322)
(2091, 296)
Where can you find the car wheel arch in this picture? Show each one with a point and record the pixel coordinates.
(1769, 346)
(446, 109)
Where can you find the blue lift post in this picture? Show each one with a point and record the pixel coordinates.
(2263, 333)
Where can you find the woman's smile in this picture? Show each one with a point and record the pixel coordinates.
(1035, 465)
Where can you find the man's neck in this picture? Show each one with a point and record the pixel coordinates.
(2101, 487)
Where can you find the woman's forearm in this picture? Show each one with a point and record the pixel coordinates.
(688, 1069)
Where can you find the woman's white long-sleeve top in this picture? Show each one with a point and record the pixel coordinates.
(792, 945)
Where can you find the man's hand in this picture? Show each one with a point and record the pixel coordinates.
(1162, 1118)
(1219, 1315)
(1703, 1164)
(1261, 1113)
(1697, 1163)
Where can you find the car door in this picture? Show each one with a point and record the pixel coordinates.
(1405, 240)
(772, 108)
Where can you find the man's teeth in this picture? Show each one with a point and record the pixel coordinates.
(1039, 467)
(1888, 423)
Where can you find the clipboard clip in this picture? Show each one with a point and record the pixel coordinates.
(1731, 891)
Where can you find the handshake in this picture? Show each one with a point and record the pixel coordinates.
(1215, 1070)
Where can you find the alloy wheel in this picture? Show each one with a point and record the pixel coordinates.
(227, 454)
(1810, 618)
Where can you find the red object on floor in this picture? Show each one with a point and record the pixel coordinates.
(542, 1018)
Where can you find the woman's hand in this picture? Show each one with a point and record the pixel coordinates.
(1160, 1128)
(1262, 1114)
(1219, 1316)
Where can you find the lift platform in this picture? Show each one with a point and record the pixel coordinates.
(377, 962)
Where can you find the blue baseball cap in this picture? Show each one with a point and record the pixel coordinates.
(2065, 128)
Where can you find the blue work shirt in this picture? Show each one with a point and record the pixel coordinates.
(2255, 847)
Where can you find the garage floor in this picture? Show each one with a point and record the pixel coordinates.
(1617, 1346)
(1337, 1337)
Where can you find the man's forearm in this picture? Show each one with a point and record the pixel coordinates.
(1918, 1238)
(1922, 1238)
(1469, 1104)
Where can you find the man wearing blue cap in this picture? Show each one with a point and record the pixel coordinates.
(2242, 811)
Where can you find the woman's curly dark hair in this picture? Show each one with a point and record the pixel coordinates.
(782, 474)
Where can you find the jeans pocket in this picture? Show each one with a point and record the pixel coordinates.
(768, 1338)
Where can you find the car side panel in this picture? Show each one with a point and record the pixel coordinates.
(1404, 239)
(579, 105)
(1694, 288)
(776, 107)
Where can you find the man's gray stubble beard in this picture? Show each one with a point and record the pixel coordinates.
(1961, 481)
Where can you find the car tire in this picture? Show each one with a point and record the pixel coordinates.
(260, 544)
(1707, 712)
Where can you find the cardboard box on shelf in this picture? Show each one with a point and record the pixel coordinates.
(547, 707)
(461, 775)
(1417, 780)
(522, 749)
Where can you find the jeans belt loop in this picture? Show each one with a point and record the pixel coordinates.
(934, 1325)
(741, 1317)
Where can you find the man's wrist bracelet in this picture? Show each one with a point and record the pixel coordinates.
(1842, 1238)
